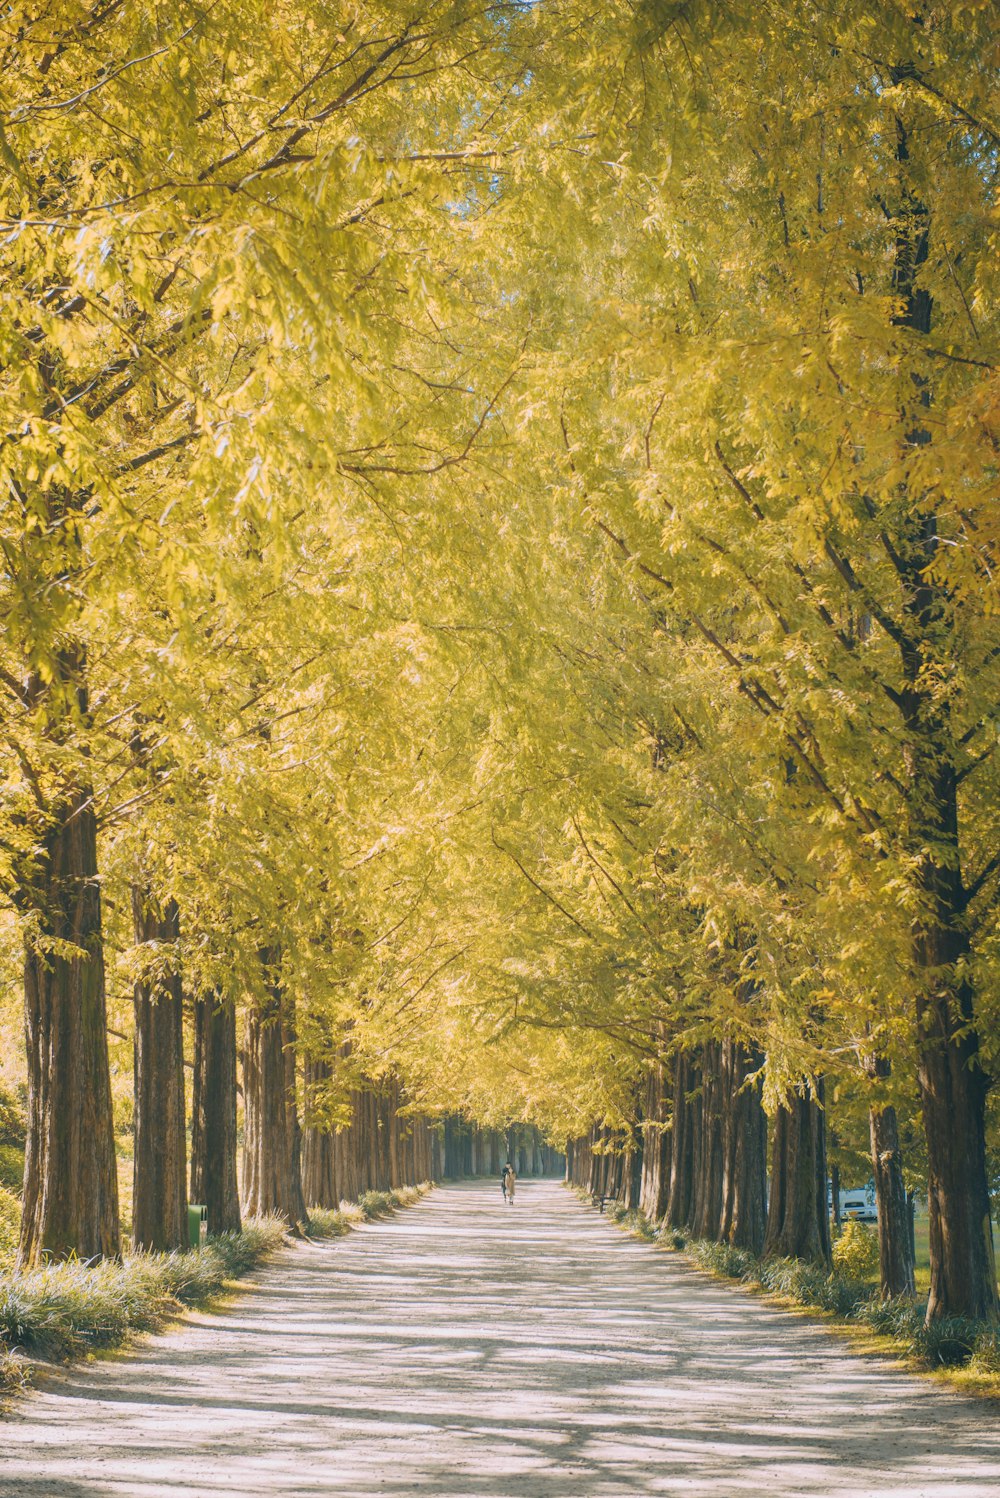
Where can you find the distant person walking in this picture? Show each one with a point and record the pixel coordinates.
(507, 1179)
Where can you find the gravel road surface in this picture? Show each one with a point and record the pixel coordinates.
(467, 1350)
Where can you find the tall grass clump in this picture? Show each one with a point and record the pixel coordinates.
(376, 1204)
(329, 1222)
(631, 1219)
(68, 1308)
(722, 1258)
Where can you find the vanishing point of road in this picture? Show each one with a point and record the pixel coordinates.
(467, 1350)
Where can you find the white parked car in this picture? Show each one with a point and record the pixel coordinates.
(859, 1205)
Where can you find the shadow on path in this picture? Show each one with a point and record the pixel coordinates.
(468, 1350)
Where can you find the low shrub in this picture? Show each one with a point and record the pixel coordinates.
(13, 1127)
(947, 1342)
(11, 1166)
(10, 1225)
(326, 1222)
(670, 1237)
(630, 1218)
(70, 1307)
(986, 1353)
(813, 1285)
(724, 1259)
(13, 1374)
(855, 1251)
(900, 1319)
(375, 1204)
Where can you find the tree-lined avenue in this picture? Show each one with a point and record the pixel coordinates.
(468, 1349)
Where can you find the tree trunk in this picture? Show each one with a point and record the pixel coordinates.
(896, 1266)
(655, 1185)
(744, 1180)
(798, 1226)
(70, 1179)
(271, 1176)
(213, 1118)
(681, 1153)
(159, 1198)
(319, 1144)
(707, 1213)
(953, 1086)
(293, 1129)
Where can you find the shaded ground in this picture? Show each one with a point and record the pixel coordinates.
(465, 1350)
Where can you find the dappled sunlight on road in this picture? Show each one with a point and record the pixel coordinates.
(465, 1350)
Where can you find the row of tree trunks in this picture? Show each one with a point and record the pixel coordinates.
(464, 1150)
(698, 1159)
(798, 1222)
(381, 1145)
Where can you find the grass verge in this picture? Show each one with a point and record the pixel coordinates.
(66, 1310)
(966, 1353)
(371, 1206)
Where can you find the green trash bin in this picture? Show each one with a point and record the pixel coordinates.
(197, 1225)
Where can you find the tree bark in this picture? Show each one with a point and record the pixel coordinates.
(213, 1119)
(289, 1037)
(271, 1176)
(744, 1178)
(159, 1196)
(707, 1212)
(655, 1186)
(70, 1180)
(681, 1152)
(896, 1267)
(798, 1226)
(319, 1144)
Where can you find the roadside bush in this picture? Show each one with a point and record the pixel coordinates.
(375, 1204)
(723, 1258)
(948, 1342)
(631, 1219)
(12, 1121)
(986, 1353)
(901, 1319)
(327, 1222)
(671, 1237)
(13, 1374)
(10, 1225)
(67, 1308)
(855, 1252)
(951, 1342)
(11, 1167)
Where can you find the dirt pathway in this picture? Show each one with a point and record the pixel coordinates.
(465, 1349)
